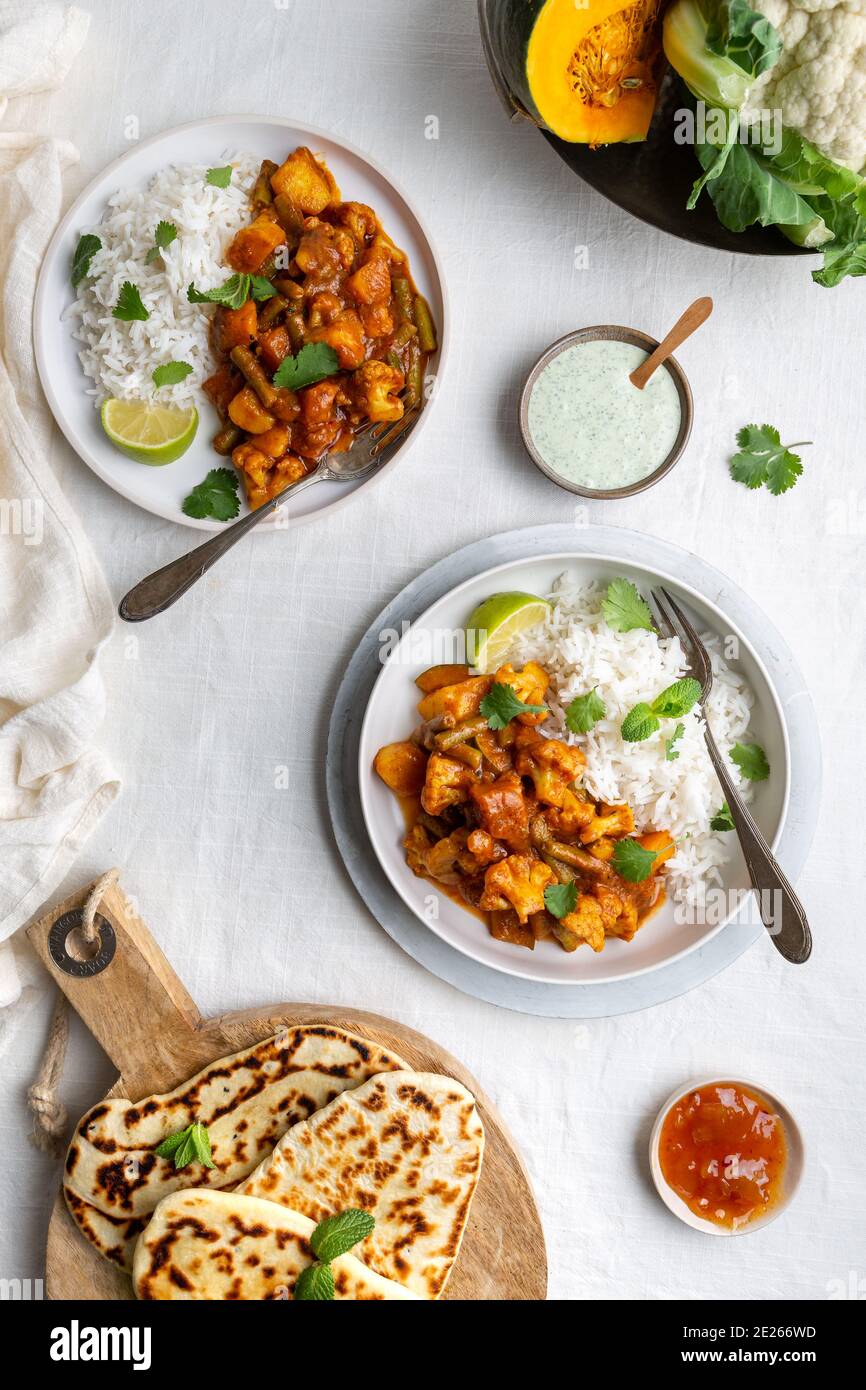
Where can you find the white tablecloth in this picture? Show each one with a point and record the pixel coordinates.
(240, 880)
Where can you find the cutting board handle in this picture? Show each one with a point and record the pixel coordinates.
(127, 994)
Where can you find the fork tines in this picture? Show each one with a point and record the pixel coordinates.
(672, 620)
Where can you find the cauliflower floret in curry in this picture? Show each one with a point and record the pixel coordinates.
(375, 390)
(517, 882)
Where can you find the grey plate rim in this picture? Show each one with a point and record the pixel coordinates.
(344, 804)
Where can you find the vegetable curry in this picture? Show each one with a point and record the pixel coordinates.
(498, 816)
(324, 276)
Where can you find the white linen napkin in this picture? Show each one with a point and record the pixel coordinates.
(55, 608)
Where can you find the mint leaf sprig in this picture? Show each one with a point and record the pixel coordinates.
(639, 723)
(674, 701)
(190, 1145)
(333, 1237)
(234, 292)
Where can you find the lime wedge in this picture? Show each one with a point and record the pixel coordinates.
(148, 433)
(495, 623)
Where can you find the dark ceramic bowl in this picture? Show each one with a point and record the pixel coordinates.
(652, 178)
(621, 335)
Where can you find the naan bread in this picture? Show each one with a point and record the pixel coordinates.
(217, 1245)
(114, 1179)
(405, 1146)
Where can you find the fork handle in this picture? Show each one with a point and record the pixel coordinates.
(781, 910)
(164, 587)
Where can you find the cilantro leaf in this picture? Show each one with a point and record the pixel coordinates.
(233, 294)
(164, 235)
(190, 1145)
(632, 862)
(129, 304)
(723, 820)
(86, 249)
(751, 759)
(783, 472)
(749, 470)
(336, 1235)
(639, 723)
(500, 705)
(170, 373)
(313, 363)
(314, 1284)
(624, 609)
(671, 754)
(217, 496)
(676, 699)
(560, 898)
(584, 712)
(220, 177)
(763, 458)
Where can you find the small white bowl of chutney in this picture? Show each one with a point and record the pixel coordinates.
(726, 1155)
(589, 429)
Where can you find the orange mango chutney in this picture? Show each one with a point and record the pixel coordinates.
(724, 1153)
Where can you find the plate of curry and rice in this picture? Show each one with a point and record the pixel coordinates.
(236, 297)
(547, 807)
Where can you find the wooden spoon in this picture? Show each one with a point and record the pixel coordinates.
(695, 315)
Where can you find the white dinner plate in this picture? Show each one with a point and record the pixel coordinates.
(162, 490)
(392, 714)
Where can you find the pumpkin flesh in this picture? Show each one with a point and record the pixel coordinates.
(593, 70)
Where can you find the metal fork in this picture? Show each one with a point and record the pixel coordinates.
(374, 445)
(781, 910)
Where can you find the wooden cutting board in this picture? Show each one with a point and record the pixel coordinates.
(143, 1017)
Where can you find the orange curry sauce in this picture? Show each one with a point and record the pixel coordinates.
(723, 1152)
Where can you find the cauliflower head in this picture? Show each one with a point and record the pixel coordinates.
(819, 82)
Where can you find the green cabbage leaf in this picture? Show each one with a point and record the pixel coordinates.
(719, 48)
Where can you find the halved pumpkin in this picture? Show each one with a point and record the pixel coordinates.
(587, 70)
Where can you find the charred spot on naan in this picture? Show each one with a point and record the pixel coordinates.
(120, 1180)
(103, 1230)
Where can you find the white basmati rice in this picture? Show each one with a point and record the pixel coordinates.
(119, 357)
(577, 648)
